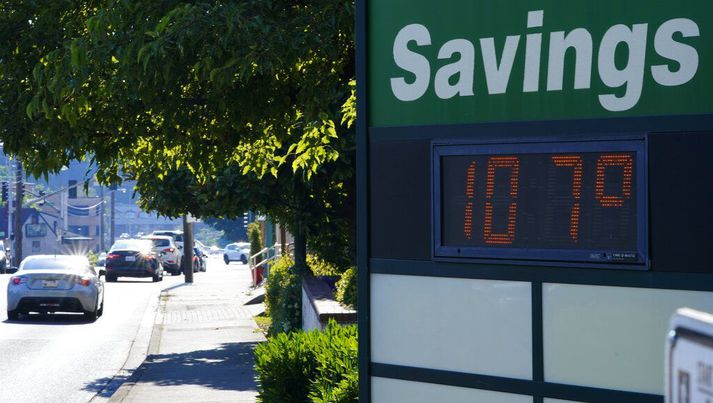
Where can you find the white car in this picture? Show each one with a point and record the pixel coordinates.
(176, 235)
(236, 252)
(55, 283)
(177, 239)
(168, 251)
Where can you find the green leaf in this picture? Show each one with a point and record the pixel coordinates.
(74, 51)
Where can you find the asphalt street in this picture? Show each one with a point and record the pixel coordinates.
(61, 358)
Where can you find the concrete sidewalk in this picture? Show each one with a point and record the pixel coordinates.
(202, 343)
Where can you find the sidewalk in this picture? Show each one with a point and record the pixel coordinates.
(202, 343)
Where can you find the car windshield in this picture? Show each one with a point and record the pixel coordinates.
(58, 262)
(132, 244)
(179, 238)
(160, 243)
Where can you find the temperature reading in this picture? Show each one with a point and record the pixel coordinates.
(575, 204)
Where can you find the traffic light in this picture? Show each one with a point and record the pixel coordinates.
(5, 189)
(245, 220)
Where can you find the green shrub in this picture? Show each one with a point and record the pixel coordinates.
(255, 238)
(92, 257)
(347, 288)
(320, 267)
(283, 297)
(316, 366)
(337, 379)
(284, 366)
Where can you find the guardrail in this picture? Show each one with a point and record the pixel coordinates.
(271, 253)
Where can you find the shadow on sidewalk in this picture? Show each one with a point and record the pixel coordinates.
(229, 367)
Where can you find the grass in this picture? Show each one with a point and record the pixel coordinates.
(263, 322)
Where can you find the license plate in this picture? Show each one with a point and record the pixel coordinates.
(130, 258)
(49, 284)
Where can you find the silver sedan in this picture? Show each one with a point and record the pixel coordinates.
(55, 283)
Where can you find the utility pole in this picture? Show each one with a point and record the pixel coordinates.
(112, 235)
(188, 248)
(19, 193)
(102, 208)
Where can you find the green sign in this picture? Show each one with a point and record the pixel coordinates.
(468, 61)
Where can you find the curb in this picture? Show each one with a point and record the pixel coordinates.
(139, 354)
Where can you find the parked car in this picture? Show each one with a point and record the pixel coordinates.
(176, 235)
(4, 261)
(199, 260)
(236, 252)
(133, 258)
(101, 259)
(168, 252)
(55, 283)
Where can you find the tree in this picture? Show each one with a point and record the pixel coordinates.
(214, 107)
(255, 237)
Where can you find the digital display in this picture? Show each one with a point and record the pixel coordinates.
(546, 201)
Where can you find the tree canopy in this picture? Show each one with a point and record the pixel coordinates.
(214, 107)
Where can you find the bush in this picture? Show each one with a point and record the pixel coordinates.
(320, 267)
(347, 288)
(255, 238)
(284, 365)
(92, 257)
(316, 366)
(283, 297)
(337, 379)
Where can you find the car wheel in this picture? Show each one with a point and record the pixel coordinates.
(155, 278)
(100, 311)
(110, 278)
(226, 259)
(13, 315)
(91, 316)
(243, 259)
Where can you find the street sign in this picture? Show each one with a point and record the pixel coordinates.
(689, 353)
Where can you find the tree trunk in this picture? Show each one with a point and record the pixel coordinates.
(187, 250)
(300, 246)
(300, 228)
(19, 195)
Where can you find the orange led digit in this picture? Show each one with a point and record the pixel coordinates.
(575, 162)
(495, 163)
(469, 194)
(614, 160)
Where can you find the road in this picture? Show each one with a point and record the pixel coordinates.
(61, 358)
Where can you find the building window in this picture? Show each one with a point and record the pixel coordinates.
(72, 189)
(35, 230)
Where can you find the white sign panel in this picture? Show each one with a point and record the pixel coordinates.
(689, 355)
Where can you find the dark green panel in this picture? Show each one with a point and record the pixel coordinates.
(473, 20)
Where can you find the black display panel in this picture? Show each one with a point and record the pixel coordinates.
(568, 202)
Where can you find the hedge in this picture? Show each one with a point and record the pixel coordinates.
(283, 297)
(315, 366)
